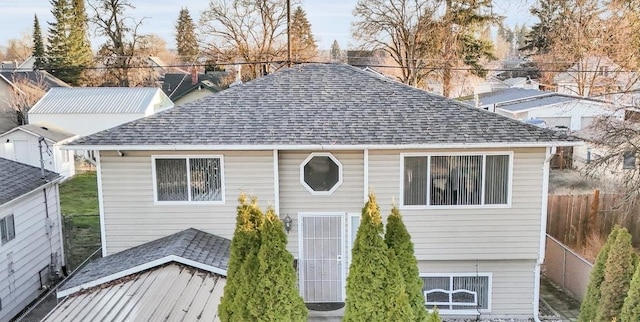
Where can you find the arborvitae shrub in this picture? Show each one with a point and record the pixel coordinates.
(592, 297)
(276, 296)
(617, 277)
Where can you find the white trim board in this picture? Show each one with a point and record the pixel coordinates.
(241, 147)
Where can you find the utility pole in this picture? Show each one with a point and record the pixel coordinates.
(289, 33)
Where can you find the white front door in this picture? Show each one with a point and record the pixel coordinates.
(321, 263)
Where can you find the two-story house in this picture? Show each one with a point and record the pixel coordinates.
(312, 141)
(31, 252)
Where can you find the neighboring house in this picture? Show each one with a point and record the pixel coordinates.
(312, 141)
(611, 139)
(175, 278)
(86, 110)
(184, 87)
(31, 143)
(522, 82)
(31, 253)
(595, 75)
(19, 88)
(556, 110)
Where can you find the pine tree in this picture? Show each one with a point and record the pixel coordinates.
(69, 50)
(335, 51)
(617, 277)
(631, 307)
(303, 44)
(591, 299)
(186, 40)
(375, 288)
(244, 248)
(57, 61)
(38, 45)
(80, 54)
(275, 297)
(397, 238)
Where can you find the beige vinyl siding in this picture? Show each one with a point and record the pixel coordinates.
(31, 249)
(469, 233)
(132, 218)
(295, 198)
(512, 286)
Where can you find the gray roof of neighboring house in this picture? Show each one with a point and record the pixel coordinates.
(535, 102)
(322, 104)
(36, 78)
(191, 244)
(176, 86)
(172, 292)
(50, 133)
(17, 178)
(509, 94)
(95, 100)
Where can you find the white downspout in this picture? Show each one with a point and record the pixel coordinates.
(551, 151)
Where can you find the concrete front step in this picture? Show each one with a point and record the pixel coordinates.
(326, 316)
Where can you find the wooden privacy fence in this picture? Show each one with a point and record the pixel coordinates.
(571, 219)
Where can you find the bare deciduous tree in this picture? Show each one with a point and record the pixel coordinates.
(118, 53)
(404, 29)
(245, 31)
(24, 95)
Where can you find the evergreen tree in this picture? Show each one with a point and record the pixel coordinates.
(617, 277)
(57, 61)
(38, 45)
(80, 54)
(397, 238)
(631, 307)
(244, 248)
(335, 51)
(375, 288)
(69, 51)
(186, 40)
(275, 297)
(591, 299)
(303, 44)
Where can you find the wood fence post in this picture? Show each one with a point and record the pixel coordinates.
(592, 224)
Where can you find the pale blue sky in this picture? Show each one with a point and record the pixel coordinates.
(330, 19)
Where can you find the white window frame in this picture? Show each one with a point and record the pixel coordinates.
(461, 312)
(3, 222)
(187, 202)
(321, 154)
(510, 154)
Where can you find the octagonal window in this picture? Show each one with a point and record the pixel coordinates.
(321, 173)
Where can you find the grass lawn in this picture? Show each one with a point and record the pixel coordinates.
(79, 205)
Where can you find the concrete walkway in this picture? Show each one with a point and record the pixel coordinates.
(560, 304)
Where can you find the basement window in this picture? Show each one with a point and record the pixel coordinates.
(458, 293)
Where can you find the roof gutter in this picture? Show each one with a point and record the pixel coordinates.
(187, 147)
(551, 151)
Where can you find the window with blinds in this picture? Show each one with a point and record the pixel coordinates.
(458, 292)
(188, 179)
(456, 180)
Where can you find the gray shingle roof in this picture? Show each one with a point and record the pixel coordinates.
(50, 133)
(95, 100)
(178, 85)
(37, 78)
(190, 244)
(318, 104)
(17, 178)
